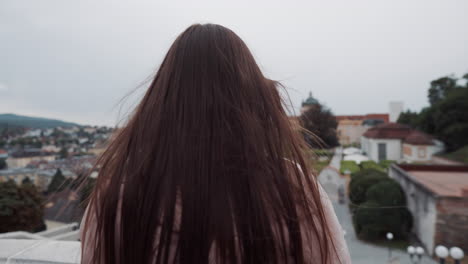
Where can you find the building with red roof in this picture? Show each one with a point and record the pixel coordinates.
(393, 141)
(437, 197)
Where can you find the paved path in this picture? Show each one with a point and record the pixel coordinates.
(361, 253)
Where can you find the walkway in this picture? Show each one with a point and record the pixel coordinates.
(361, 252)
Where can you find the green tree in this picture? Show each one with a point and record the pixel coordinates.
(57, 183)
(21, 207)
(440, 88)
(321, 122)
(409, 118)
(451, 119)
(446, 117)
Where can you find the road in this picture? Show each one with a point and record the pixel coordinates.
(361, 252)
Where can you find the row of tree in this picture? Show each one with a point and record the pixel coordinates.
(446, 117)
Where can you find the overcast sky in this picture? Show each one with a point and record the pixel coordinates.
(74, 60)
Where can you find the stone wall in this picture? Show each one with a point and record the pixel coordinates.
(452, 223)
(422, 205)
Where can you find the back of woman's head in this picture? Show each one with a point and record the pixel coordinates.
(207, 169)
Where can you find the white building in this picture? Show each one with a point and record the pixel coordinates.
(398, 142)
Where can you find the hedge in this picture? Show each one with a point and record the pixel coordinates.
(349, 165)
(370, 164)
(361, 182)
(378, 205)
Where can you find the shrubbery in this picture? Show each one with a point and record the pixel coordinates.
(361, 181)
(386, 163)
(350, 166)
(378, 205)
(370, 164)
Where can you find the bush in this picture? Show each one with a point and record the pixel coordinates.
(386, 163)
(378, 205)
(372, 221)
(370, 164)
(360, 184)
(349, 165)
(386, 193)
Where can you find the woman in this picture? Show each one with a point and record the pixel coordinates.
(209, 170)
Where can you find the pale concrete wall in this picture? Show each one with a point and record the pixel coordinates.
(422, 205)
(419, 153)
(350, 131)
(370, 147)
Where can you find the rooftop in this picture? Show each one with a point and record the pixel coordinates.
(310, 100)
(416, 137)
(441, 180)
(384, 117)
(399, 131)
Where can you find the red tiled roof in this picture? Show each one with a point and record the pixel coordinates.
(418, 138)
(399, 131)
(388, 131)
(384, 117)
(3, 151)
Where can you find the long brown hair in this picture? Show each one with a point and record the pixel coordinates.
(208, 167)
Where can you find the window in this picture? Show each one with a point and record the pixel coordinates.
(421, 152)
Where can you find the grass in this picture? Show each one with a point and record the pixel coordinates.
(460, 155)
(370, 164)
(349, 165)
(318, 165)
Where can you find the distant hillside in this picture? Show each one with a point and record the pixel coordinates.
(12, 120)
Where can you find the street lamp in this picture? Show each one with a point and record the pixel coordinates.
(415, 251)
(442, 253)
(457, 254)
(389, 237)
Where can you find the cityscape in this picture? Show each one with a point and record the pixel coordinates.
(384, 174)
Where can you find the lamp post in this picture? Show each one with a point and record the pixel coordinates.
(442, 253)
(457, 254)
(389, 237)
(415, 253)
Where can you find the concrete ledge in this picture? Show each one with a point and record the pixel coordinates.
(39, 251)
(59, 230)
(20, 235)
